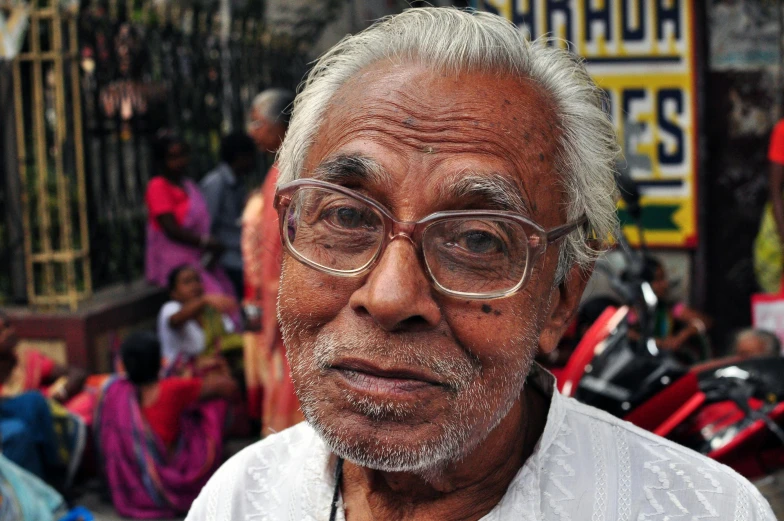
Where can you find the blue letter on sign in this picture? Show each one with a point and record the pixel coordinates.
(676, 157)
(597, 15)
(554, 6)
(672, 13)
(631, 34)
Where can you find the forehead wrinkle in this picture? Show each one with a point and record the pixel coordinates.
(346, 169)
(495, 188)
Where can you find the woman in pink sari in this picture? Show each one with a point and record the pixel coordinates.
(266, 368)
(178, 229)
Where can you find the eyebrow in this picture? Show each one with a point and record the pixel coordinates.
(347, 169)
(496, 190)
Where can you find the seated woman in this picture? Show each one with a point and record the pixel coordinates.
(41, 435)
(159, 440)
(26, 498)
(178, 230)
(194, 327)
(677, 328)
(31, 370)
(47, 444)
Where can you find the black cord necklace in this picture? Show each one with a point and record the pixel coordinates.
(333, 512)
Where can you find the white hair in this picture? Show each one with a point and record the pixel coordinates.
(453, 41)
(271, 104)
(771, 342)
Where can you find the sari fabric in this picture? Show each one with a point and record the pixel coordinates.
(164, 254)
(265, 356)
(145, 479)
(32, 370)
(42, 436)
(768, 256)
(24, 497)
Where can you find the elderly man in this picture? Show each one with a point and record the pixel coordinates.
(444, 188)
(271, 397)
(268, 120)
(752, 343)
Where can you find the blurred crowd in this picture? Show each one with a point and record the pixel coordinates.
(154, 428)
(215, 365)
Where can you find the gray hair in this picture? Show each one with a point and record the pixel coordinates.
(451, 40)
(770, 340)
(272, 105)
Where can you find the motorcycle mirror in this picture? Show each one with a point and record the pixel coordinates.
(629, 191)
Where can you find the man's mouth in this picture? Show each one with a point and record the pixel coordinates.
(370, 378)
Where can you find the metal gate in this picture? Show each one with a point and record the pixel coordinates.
(91, 88)
(148, 65)
(50, 158)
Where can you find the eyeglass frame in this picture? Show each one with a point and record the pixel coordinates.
(414, 231)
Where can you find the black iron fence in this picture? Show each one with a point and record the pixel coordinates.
(144, 68)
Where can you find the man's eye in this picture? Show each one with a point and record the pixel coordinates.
(480, 242)
(350, 218)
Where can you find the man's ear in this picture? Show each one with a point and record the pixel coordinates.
(565, 299)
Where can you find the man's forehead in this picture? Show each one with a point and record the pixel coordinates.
(433, 111)
(409, 118)
(400, 88)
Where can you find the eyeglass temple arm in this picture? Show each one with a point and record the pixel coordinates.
(559, 232)
(280, 200)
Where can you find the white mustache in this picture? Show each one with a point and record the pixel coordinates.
(455, 372)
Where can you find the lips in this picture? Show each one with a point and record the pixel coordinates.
(365, 376)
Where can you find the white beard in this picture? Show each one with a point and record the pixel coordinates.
(474, 408)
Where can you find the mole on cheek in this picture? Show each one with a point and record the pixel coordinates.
(541, 157)
(486, 308)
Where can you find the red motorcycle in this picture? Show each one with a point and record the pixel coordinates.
(731, 410)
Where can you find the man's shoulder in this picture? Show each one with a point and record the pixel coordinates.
(269, 468)
(657, 463)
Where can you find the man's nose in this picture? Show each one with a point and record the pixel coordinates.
(397, 294)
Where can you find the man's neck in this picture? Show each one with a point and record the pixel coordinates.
(464, 491)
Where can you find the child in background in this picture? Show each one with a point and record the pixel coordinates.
(194, 328)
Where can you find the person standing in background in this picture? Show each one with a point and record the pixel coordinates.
(266, 369)
(769, 244)
(225, 195)
(178, 227)
(268, 119)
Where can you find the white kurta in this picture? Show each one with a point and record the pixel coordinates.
(588, 465)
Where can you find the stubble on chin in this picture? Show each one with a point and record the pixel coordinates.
(479, 396)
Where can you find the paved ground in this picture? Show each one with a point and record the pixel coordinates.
(103, 510)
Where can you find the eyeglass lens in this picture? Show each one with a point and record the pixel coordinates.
(463, 254)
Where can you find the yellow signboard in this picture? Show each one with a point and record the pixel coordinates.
(641, 52)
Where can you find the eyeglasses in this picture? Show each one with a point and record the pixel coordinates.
(475, 254)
